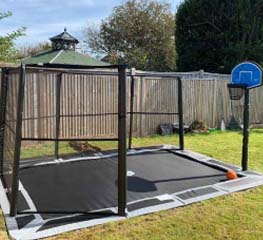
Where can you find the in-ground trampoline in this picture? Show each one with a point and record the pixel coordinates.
(45, 196)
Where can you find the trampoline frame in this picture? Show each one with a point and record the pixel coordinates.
(121, 139)
(33, 229)
(41, 225)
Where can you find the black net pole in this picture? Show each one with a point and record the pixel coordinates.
(122, 166)
(131, 111)
(15, 179)
(4, 84)
(180, 111)
(58, 93)
(245, 131)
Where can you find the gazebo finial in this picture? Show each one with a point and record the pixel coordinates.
(65, 29)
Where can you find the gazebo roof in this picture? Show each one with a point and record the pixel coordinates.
(63, 57)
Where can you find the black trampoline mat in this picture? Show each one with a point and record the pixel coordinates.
(83, 186)
(164, 172)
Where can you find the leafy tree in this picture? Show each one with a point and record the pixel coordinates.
(216, 35)
(139, 33)
(7, 46)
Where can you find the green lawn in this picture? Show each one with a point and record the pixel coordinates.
(236, 216)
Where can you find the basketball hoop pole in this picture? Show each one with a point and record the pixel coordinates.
(245, 131)
(245, 76)
(237, 91)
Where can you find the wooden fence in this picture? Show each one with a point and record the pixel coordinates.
(85, 96)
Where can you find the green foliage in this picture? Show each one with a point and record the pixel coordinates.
(216, 35)
(7, 47)
(139, 33)
(5, 15)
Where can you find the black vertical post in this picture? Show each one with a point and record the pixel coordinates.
(131, 111)
(58, 93)
(245, 131)
(4, 84)
(122, 167)
(15, 179)
(180, 112)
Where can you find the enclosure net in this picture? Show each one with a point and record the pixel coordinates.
(236, 91)
(236, 94)
(155, 103)
(63, 107)
(9, 95)
(71, 111)
(88, 109)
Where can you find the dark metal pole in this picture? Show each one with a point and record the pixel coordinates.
(15, 182)
(245, 131)
(180, 111)
(58, 93)
(4, 84)
(131, 111)
(122, 166)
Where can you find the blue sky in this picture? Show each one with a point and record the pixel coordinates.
(45, 18)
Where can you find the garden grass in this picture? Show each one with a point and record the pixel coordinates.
(238, 216)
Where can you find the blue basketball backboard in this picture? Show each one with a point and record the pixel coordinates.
(248, 74)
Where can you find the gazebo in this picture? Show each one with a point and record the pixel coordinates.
(63, 52)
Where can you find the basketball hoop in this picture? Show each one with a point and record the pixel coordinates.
(245, 76)
(236, 91)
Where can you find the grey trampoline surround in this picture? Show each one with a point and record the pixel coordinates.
(68, 194)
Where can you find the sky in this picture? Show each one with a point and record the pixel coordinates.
(46, 18)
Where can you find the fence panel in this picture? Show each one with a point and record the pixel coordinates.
(205, 97)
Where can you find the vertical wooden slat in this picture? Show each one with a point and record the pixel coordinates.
(205, 98)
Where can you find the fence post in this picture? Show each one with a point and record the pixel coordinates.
(201, 73)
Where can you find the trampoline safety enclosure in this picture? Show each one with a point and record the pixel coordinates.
(45, 196)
